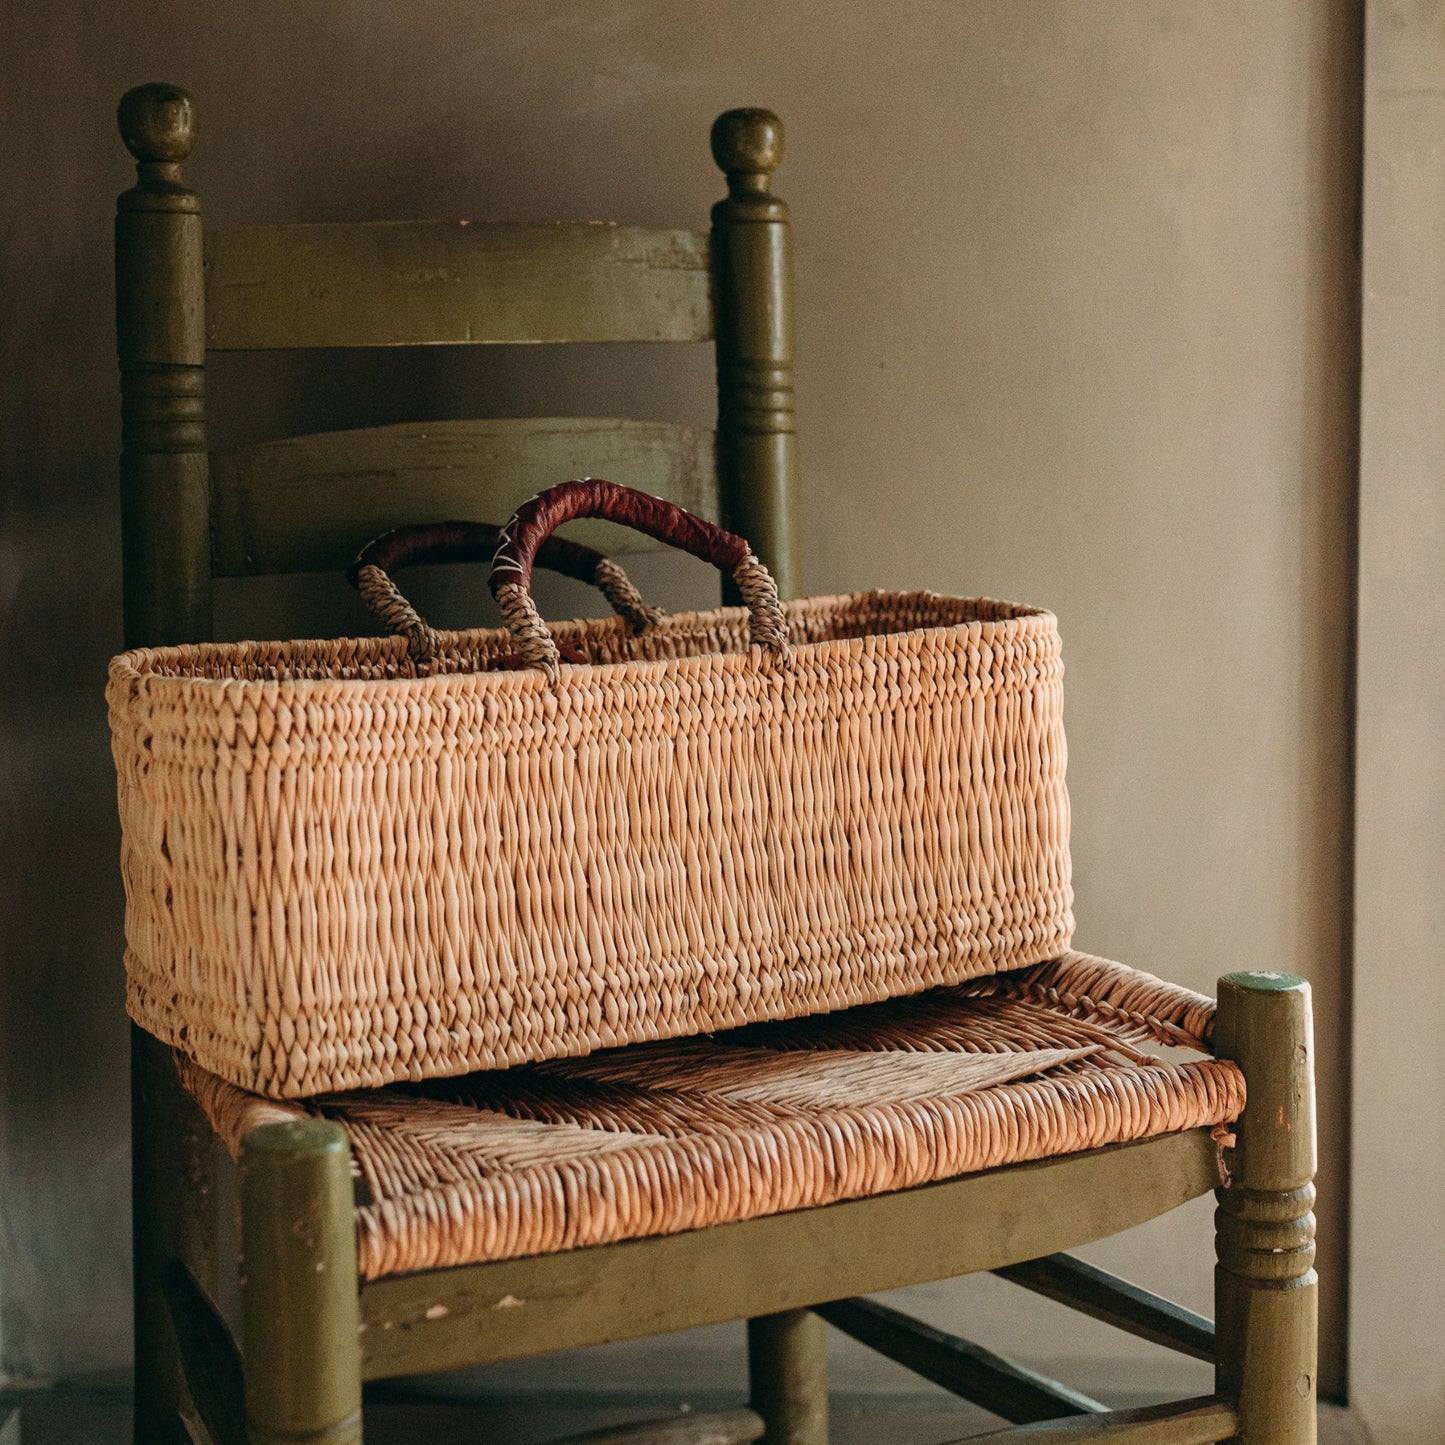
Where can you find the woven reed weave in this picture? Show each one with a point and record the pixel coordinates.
(341, 873)
(660, 1138)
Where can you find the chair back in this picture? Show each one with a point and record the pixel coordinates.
(308, 503)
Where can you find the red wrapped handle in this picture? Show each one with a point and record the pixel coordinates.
(533, 523)
(432, 542)
(429, 542)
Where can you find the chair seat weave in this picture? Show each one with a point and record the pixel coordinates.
(659, 1138)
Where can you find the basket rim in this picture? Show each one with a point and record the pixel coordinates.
(139, 666)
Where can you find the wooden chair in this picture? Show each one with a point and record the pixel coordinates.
(313, 1330)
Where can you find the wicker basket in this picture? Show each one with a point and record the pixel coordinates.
(359, 861)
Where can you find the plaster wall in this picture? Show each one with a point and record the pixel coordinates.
(1076, 318)
(1398, 1257)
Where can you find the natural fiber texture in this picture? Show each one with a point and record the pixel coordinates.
(660, 1138)
(767, 624)
(622, 595)
(341, 874)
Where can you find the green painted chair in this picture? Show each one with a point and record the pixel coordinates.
(314, 1329)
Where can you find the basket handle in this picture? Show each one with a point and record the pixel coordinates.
(534, 521)
(429, 542)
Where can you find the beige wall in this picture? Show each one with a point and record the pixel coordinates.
(1397, 1278)
(1076, 319)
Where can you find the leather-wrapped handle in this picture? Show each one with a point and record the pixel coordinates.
(432, 542)
(530, 530)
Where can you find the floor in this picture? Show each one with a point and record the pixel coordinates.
(102, 1418)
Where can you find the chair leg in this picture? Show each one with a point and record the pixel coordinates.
(300, 1301)
(788, 1376)
(173, 1206)
(1265, 1290)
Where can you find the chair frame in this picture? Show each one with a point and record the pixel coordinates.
(312, 1332)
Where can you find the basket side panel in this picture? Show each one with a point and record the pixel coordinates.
(339, 888)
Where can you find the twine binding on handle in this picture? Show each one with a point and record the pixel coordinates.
(435, 542)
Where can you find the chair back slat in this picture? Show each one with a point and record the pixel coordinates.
(453, 283)
(309, 503)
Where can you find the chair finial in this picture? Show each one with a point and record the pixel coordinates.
(747, 142)
(157, 123)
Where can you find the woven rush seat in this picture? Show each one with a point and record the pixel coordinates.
(660, 1138)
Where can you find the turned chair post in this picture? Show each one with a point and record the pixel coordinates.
(165, 536)
(757, 468)
(1265, 1289)
(788, 1376)
(301, 1304)
(757, 440)
(161, 343)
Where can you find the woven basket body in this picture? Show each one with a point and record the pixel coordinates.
(340, 874)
